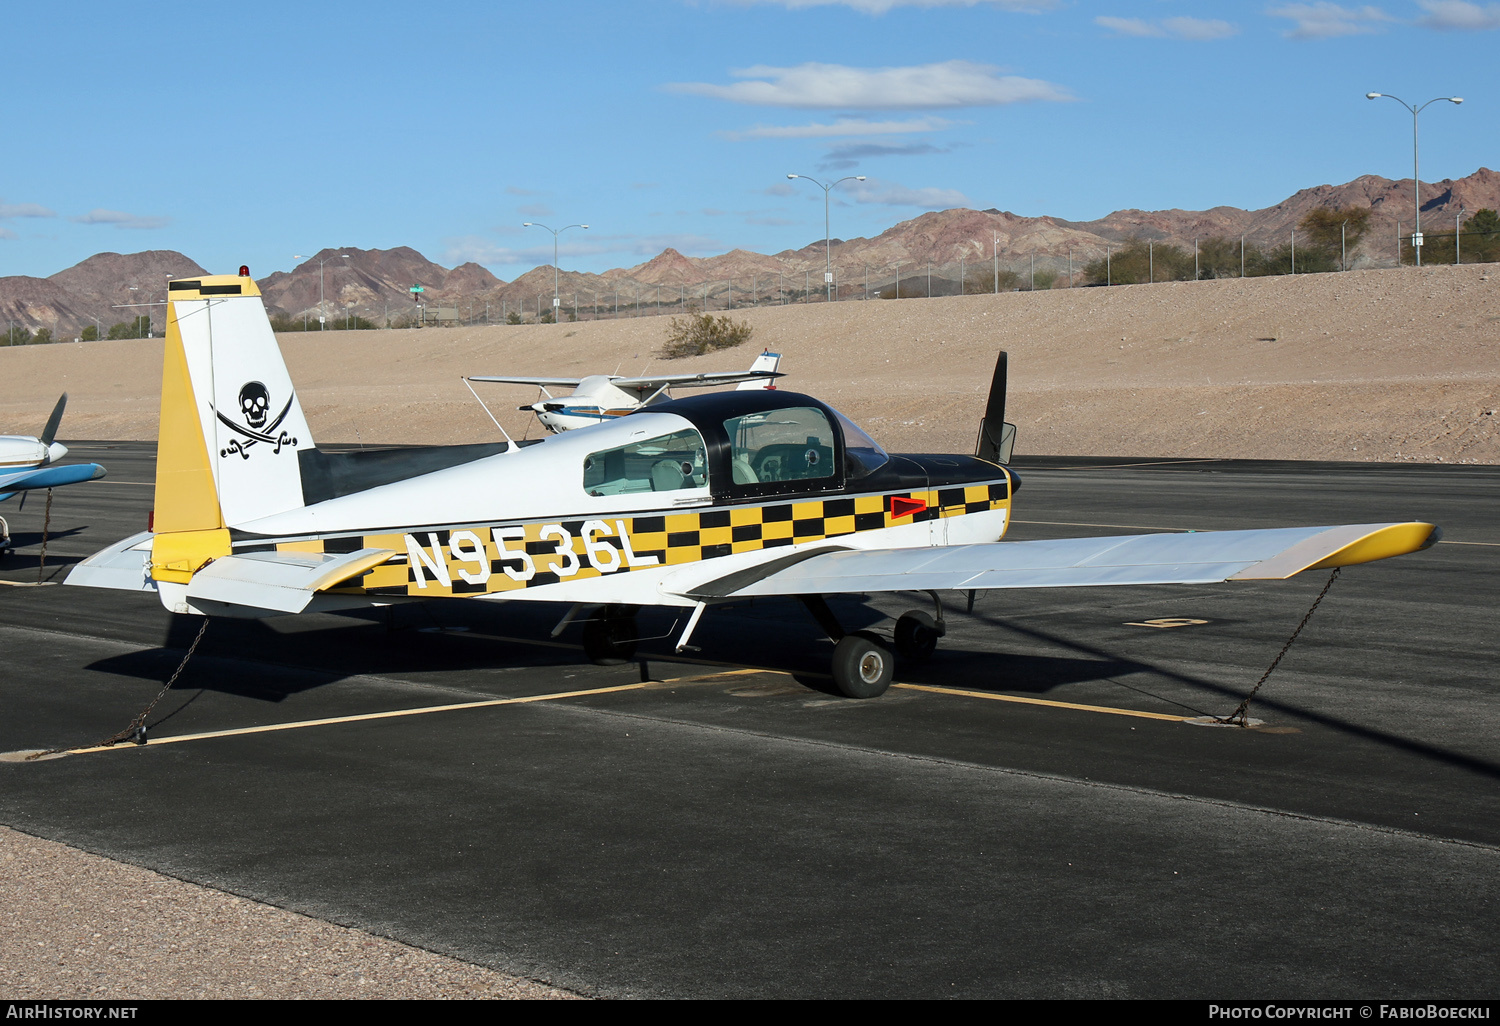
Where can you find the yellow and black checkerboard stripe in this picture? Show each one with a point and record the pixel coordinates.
(672, 538)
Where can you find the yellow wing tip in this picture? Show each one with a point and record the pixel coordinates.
(1383, 543)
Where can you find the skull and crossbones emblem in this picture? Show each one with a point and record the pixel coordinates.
(259, 426)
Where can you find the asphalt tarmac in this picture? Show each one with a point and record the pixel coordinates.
(1002, 823)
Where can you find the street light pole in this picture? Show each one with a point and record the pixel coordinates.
(827, 244)
(1416, 182)
(555, 234)
(322, 312)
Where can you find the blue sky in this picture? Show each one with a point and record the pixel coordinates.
(249, 133)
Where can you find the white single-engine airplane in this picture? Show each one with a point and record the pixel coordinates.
(687, 503)
(26, 464)
(601, 397)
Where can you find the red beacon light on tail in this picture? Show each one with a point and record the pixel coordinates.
(244, 270)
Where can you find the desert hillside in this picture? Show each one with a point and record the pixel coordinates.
(1377, 365)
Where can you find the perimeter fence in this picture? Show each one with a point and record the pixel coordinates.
(1131, 262)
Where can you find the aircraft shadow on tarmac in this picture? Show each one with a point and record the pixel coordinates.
(257, 659)
(1397, 742)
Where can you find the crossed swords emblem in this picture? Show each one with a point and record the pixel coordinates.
(254, 400)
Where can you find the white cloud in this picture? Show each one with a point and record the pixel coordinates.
(6, 233)
(120, 219)
(489, 253)
(1194, 29)
(9, 210)
(892, 194)
(1460, 16)
(882, 6)
(949, 84)
(535, 210)
(685, 243)
(1324, 20)
(842, 127)
(484, 251)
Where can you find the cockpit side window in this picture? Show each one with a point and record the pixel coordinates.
(781, 445)
(666, 463)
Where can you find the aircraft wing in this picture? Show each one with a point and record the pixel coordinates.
(49, 477)
(1206, 557)
(690, 380)
(539, 382)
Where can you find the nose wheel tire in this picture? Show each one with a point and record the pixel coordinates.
(862, 665)
(916, 636)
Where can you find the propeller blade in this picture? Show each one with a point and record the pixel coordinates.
(50, 431)
(992, 427)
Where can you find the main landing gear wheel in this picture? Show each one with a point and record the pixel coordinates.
(609, 638)
(862, 665)
(916, 636)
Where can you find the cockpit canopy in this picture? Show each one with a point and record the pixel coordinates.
(744, 445)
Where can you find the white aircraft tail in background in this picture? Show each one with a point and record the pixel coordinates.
(602, 397)
(765, 364)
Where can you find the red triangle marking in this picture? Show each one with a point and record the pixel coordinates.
(903, 507)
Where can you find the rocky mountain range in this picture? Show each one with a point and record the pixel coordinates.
(375, 284)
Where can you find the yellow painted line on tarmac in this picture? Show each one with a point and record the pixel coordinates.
(397, 713)
(1042, 701)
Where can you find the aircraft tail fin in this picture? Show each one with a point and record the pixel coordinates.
(231, 425)
(766, 363)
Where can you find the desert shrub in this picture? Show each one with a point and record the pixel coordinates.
(1219, 257)
(16, 335)
(1323, 225)
(703, 333)
(42, 337)
(1481, 240)
(1141, 261)
(1044, 280)
(89, 334)
(512, 318)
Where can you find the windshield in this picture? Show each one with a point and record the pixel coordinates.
(793, 444)
(862, 454)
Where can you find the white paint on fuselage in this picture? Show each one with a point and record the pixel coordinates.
(538, 482)
(22, 451)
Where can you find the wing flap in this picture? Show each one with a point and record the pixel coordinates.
(1197, 558)
(284, 582)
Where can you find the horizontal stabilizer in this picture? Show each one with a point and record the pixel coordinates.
(1206, 557)
(283, 582)
(124, 566)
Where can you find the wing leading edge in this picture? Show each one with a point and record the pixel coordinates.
(50, 477)
(1208, 557)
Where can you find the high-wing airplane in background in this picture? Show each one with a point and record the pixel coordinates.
(601, 397)
(686, 504)
(27, 463)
